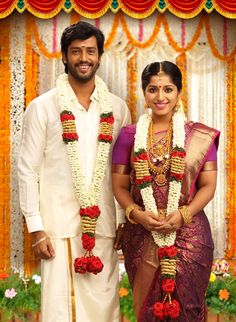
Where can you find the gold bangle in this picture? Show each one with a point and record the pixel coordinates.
(128, 211)
(186, 214)
(39, 241)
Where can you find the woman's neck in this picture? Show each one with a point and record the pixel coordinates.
(161, 123)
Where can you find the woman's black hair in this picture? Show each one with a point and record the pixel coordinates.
(81, 30)
(167, 67)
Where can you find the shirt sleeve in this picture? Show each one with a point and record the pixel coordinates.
(29, 163)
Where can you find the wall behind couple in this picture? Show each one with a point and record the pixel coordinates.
(204, 48)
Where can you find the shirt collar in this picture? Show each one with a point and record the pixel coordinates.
(74, 100)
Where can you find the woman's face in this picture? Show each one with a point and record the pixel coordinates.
(161, 95)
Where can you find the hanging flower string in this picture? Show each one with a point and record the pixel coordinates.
(167, 251)
(87, 196)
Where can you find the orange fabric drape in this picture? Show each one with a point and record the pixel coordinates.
(231, 160)
(5, 147)
(31, 82)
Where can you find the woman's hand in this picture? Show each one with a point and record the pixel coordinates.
(147, 219)
(171, 223)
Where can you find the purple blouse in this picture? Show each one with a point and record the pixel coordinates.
(125, 143)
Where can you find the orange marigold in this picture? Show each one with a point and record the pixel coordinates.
(223, 294)
(123, 292)
(3, 276)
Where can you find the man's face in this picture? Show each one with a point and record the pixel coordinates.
(82, 59)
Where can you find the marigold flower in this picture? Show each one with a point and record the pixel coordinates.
(123, 292)
(3, 276)
(223, 294)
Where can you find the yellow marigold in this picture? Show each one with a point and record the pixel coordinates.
(212, 277)
(123, 292)
(223, 294)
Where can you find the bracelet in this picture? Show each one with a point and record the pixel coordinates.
(128, 211)
(39, 241)
(186, 214)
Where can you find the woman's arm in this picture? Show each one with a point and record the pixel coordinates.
(206, 185)
(121, 189)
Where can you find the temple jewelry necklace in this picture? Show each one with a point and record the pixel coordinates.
(160, 154)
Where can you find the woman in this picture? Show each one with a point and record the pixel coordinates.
(164, 174)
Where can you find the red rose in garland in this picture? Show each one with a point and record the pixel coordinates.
(88, 242)
(168, 285)
(95, 264)
(80, 265)
(171, 251)
(159, 310)
(172, 309)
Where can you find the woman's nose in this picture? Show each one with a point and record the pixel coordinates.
(160, 95)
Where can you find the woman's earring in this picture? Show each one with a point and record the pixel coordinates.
(145, 106)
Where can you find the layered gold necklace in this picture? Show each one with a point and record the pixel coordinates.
(159, 158)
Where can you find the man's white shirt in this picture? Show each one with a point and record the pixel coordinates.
(47, 196)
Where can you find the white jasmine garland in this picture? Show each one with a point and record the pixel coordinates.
(87, 196)
(141, 143)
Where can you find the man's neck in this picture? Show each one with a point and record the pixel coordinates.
(83, 91)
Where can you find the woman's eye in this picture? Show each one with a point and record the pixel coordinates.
(152, 90)
(168, 90)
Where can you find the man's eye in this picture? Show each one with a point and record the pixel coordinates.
(91, 52)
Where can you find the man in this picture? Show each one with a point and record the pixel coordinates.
(65, 184)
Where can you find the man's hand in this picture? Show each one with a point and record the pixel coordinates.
(119, 235)
(43, 248)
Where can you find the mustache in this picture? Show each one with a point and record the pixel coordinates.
(83, 63)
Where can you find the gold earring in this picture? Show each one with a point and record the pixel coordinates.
(145, 106)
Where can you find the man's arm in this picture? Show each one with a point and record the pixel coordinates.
(29, 164)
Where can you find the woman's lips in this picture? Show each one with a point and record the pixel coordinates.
(160, 106)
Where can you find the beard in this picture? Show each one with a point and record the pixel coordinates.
(80, 77)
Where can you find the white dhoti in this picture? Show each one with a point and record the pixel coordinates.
(71, 297)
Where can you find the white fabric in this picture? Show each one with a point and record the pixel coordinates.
(52, 205)
(96, 296)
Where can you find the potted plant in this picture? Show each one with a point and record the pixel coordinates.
(19, 295)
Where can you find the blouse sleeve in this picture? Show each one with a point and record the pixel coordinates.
(122, 148)
(211, 159)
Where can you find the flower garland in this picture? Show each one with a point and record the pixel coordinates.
(88, 198)
(167, 252)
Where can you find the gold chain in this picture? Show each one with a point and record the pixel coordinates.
(162, 155)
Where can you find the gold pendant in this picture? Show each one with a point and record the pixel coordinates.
(160, 179)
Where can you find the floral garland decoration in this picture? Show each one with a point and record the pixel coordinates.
(167, 251)
(88, 198)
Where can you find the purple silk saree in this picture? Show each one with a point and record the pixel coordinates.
(193, 241)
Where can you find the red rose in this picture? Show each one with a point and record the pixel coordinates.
(67, 117)
(159, 310)
(88, 242)
(105, 137)
(177, 176)
(168, 285)
(173, 309)
(171, 251)
(180, 154)
(161, 252)
(109, 120)
(95, 264)
(80, 265)
(143, 156)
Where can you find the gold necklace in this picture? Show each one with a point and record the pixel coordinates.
(160, 154)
